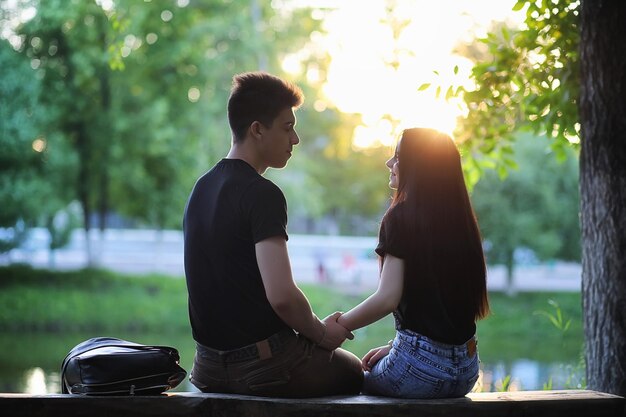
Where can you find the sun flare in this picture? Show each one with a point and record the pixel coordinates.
(383, 51)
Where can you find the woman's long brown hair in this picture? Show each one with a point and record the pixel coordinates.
(438, 223)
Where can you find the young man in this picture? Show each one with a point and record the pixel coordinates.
(254, 328)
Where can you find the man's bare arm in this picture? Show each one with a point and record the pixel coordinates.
(288, 301)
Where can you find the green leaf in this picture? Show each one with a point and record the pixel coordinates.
(449, 93)
(519, 5)
(423, 87)
(506, 34)
(511, 163)
(502, 172)
(569, 322)
(547, 386)
(506, 382)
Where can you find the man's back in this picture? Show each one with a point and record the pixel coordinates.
(230, 209)
(256, 331)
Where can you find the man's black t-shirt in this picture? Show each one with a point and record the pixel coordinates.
(230, 209)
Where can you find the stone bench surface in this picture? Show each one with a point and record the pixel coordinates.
(522, 403)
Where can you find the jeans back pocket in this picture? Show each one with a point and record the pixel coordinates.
(267, 378)
(418, 383)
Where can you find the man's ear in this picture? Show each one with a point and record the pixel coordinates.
(256, 129)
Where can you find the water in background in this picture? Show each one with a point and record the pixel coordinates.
(31, 363)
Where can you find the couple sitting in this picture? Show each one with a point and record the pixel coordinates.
(255, 331)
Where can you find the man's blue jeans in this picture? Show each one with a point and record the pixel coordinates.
(418, 367)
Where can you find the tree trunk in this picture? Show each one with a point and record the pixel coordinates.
(105, 129)
(84, 154)
(510, 269)
(76, 129)
(603, 191)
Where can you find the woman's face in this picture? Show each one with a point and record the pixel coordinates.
(392, 164)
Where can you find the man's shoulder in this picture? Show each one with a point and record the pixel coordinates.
(240, 181)
(267, 184)
(229, 171)
(263, 188)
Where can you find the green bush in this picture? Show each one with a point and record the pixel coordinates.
(89, 299)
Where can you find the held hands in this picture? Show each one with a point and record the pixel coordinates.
(373, 356)
(335, 334)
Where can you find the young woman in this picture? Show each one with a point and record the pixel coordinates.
(433, 276)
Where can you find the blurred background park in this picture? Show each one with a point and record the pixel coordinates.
(110, 110)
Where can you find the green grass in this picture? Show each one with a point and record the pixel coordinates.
(89, 300)
(521, 323)
(101, 302)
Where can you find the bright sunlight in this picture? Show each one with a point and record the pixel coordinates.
(383, 51)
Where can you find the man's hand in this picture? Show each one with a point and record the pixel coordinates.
(335, 334)
(373, 356)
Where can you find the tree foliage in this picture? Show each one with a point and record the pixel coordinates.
(66, 44)
(527, 80)
(536, 206)
(331, 187)
(134, 100)
(33, 166)
(20, 164)
(136, 95)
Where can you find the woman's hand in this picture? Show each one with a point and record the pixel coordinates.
(373, 356)
(335, 334)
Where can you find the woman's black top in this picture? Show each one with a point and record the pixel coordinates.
(431, 304)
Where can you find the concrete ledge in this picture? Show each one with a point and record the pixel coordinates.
(523, 403)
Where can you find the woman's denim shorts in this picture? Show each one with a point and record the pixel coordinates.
(419, 367)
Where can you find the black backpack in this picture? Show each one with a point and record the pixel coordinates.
(110, 366)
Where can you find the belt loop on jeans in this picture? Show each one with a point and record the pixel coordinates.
(471, 346)
(263, 347)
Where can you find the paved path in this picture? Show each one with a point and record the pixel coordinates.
(347, 262)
